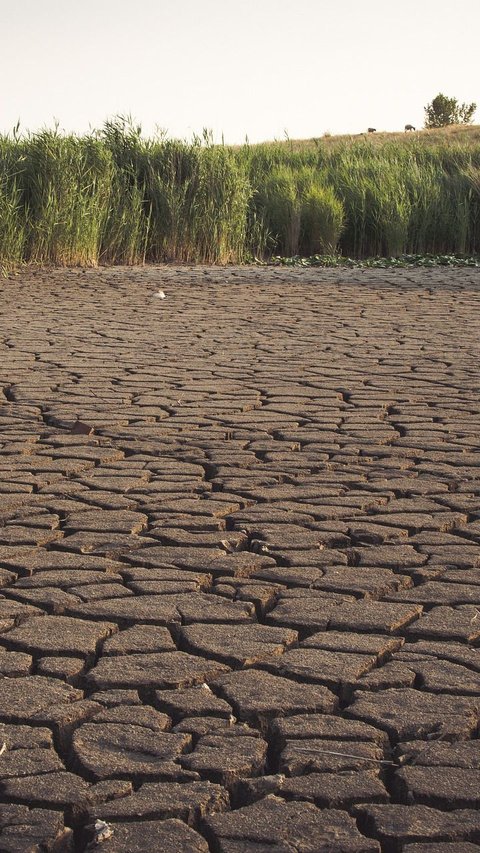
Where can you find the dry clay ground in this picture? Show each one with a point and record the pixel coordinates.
(244, 613)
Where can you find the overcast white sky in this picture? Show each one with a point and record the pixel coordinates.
(256, 68)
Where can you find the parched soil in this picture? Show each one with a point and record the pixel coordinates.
(240, 561)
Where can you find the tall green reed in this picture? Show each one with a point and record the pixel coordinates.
(219, 207)
(300, 211)
(66, 185)
(127, 217)
(12, 212)
(115, 197)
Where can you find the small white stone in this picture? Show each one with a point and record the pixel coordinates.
(103, 831)
(160, 295)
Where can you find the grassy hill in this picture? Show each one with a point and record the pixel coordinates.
(452, 135)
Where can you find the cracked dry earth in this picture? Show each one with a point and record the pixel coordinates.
(243, 614)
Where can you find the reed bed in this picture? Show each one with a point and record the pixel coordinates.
(114, 197)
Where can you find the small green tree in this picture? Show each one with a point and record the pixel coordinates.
(444, 111)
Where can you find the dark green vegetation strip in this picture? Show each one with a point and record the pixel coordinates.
(401, 262)
(116, 198)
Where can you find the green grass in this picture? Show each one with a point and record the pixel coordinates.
(114, 197)
(66, 190)
(12, 212)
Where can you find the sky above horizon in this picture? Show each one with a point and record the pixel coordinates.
(256, 69)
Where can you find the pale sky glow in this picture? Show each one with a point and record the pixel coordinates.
(256, 68)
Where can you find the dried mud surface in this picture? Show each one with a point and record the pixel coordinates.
(239, 561)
